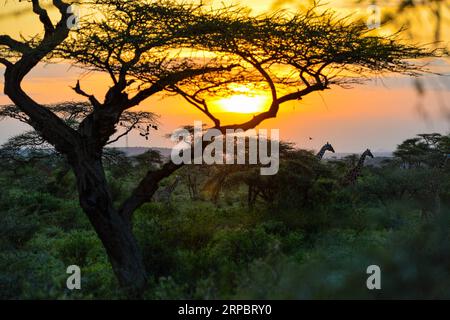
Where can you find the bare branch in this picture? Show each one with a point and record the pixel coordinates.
(140, 121)
(301, 93)
(92, 99)
(200, 104)
(171, 80)
(43, 17)
(146, 188)
(14, 44)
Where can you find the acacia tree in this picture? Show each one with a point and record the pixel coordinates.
(72, 113)
(29, 146)
(146, 48)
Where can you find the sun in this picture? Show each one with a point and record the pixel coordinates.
(242, 99)
(242, 103)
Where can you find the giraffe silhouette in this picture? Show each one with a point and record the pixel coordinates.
(325, 148)
(354, 173)
(164, 195)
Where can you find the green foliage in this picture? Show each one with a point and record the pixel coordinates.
(314, 240)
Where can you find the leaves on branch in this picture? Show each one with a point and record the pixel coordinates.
(73, 113)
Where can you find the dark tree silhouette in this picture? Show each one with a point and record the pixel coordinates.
(72, 113)
(151, 47)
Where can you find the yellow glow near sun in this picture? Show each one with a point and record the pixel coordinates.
(243, 100)
(242, 103)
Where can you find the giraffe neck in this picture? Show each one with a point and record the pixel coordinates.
(361, 161)
(360, 165)
(354, 173)
(321, 152)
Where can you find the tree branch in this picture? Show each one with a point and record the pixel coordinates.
(43, 17)
(146, 188)
(198, 103)
(299, 94)
(50, 126)
(173, 79)
(127, 131)
(95, 103)
(14, 44)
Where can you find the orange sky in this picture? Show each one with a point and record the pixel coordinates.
(378, 115)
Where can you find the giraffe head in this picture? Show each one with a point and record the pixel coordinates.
(368, 153)
(329, 147)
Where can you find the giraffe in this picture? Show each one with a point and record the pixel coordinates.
(164, 195)
(325, 148)
(353, 174)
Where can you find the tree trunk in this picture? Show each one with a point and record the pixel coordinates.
(114, 231)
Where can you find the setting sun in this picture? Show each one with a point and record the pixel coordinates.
(242, 103)
(198, 150)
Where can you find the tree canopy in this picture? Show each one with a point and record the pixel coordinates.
(147, 48)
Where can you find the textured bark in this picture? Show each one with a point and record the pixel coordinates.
(114, 231)
(83, 149)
